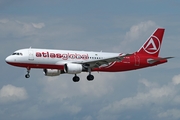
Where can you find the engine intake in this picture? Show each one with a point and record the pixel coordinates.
(72, 68)
(52, 72)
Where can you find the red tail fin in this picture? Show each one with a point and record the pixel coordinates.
(153, 44)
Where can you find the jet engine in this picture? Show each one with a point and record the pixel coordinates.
(72, 68)
(52, 72)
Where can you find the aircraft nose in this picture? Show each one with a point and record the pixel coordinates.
(8, 59)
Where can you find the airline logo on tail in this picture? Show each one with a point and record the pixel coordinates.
(152, 46)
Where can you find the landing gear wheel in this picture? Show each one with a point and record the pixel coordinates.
(90, 77)
(27, 76)
(76, 78)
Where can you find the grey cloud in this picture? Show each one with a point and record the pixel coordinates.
(58, 90)
(38, 25)
(4, 21)
(136, 32)
(170, 113)
(156, 94)
(176, 79)
(10, 93)
(18, 28)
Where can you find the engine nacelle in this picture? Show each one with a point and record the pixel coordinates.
(73, 68)
(52, 72)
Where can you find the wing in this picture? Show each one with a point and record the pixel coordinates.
(104, 62)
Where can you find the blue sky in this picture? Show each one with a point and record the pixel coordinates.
(113, 26)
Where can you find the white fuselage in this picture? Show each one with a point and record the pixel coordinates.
(56, 57)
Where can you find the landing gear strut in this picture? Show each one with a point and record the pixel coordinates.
(90, 77)
(76, 78)
(27, 75)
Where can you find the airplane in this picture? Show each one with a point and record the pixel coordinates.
(56, 62)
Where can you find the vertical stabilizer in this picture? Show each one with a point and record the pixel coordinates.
(153, 44)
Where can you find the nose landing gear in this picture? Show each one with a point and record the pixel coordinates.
(27, 75)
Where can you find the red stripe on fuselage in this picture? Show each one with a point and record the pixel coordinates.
(43, 66)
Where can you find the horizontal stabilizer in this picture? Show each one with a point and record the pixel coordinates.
(151, 61)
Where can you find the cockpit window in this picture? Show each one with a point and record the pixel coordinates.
(16, 53)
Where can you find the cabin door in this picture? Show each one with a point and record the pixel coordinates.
(31, 55)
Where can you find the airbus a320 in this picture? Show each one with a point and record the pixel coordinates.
(56, 62)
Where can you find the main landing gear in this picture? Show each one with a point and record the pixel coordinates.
(76, 78)
(89, 77)
(27, 75)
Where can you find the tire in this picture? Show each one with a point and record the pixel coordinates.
(90, 77)
(27, 76)
(76, 79)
